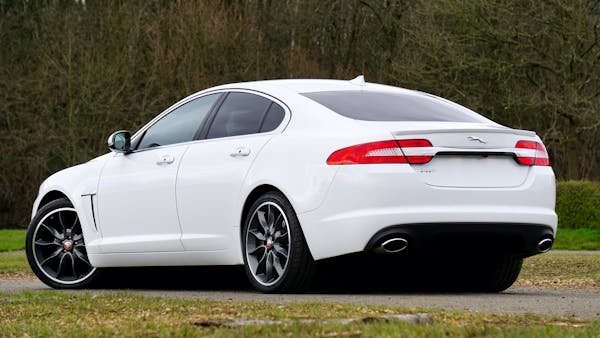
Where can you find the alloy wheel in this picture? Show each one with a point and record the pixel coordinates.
(59, 249)
(268, 243)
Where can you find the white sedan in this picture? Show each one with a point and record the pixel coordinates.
(279, 174)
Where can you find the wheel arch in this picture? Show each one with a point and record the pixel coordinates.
(252, 196)
(255, 194)
(52, 195)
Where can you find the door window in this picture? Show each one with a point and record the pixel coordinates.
(240, 114)
(180, 125)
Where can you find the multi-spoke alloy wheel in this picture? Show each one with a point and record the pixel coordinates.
(56, 248)
(276, 256)
(267, 243)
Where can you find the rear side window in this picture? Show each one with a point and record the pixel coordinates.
(273, 119)
(244, 113)
(388, 106)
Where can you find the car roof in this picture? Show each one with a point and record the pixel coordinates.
(314, 85)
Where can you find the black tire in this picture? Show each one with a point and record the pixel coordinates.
(86, 274)
(300, 268)
(501, 274)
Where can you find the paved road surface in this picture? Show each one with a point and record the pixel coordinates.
(553, 302)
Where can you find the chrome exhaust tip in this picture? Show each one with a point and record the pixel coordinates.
(545, 245)
(392, 245)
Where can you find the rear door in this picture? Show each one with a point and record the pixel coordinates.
(213, 170)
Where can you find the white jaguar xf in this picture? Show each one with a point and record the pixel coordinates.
(279, 174)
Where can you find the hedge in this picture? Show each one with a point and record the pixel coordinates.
(578, 204)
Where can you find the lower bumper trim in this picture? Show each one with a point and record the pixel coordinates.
(467, 238)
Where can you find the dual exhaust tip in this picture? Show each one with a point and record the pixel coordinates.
(544, 245)
(399, 244)
(392, 245)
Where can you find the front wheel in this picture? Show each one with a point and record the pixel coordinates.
(56, 249)
(276, 257)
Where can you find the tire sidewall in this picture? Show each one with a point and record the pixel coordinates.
(42, 212)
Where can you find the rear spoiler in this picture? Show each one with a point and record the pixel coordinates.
(467, 130)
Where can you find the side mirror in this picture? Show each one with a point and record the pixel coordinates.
(120, 142)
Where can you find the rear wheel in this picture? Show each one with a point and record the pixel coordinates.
(276, 257)
(500, 274)
(56, 249)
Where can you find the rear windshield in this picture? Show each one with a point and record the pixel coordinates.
(388, 106)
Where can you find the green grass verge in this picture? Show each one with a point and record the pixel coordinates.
(577, 239)
(12, 239)
(42, 313)
(13, 264)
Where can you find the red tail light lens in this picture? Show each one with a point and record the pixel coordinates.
(536, 153)
(414, 150)
(368, 153)
(379, 153)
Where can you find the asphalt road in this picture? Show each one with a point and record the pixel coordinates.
(548, 302)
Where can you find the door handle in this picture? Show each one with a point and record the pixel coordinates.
(165, 159)
(241, 151)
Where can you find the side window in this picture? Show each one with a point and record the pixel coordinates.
(180, 125)
(273, 118)
(240, 114)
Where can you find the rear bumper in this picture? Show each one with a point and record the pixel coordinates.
(473, 239)
(363, 200)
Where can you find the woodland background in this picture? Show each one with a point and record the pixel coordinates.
(71, 72)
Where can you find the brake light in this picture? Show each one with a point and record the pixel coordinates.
(380, 152)
(535, 153)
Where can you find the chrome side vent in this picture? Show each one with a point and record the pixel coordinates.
(93, 212)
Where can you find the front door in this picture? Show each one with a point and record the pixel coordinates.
(136, 201)
(136, 194)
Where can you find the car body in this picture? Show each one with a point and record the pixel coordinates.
(185, 203)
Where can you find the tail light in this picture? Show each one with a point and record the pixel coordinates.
(381, 152)
(534, 153)
(415, 150)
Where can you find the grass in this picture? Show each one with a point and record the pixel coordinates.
(561, 269)
(12, 239)
(577, 239)
(13, 264)
(40, 313)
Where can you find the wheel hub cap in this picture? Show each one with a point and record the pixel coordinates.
(68, 245)
(269, 243)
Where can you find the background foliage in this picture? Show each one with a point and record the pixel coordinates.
(72, 73)
(578, 204)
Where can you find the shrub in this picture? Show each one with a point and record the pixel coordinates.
(578, 204)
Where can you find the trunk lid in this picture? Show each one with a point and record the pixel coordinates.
(465, 155)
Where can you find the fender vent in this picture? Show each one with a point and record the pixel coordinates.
(93, 212)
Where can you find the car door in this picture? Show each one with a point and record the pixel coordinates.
(136, 193)
(213, 170)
